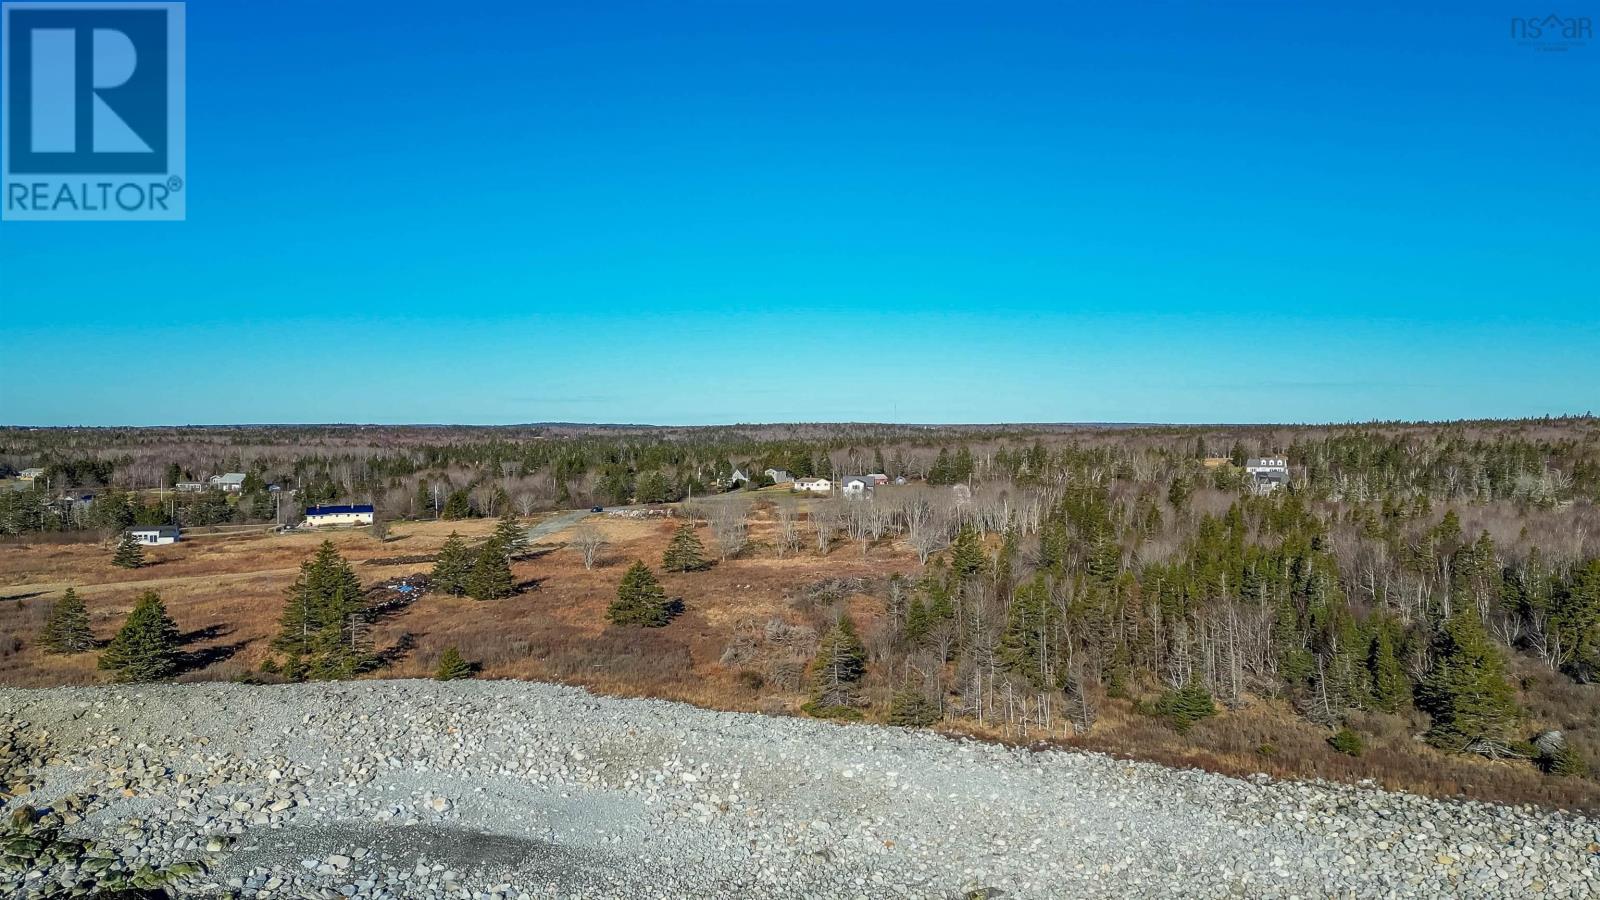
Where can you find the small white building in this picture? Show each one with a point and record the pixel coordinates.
(189, 487)
(338, 515)
(155, 534)
(232, 482)
(778, 476)
(33, 473)
(857, 485)
(813, 485)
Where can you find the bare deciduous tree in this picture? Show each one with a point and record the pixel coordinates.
(787, 514)
(589, 540)
(728, 525)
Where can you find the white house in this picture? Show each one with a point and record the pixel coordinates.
(738, 477)
(232, 482)
(778, 476)
(155, 534)
(813, 485)
(33, 473)
(189, 487)
(1268, 473)
(338, 515)
(857, 485)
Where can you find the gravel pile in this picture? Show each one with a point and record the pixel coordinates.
(508, 790)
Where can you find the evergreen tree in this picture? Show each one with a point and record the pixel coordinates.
(967, 558)
(146, 647)
(452, 666)
(1389, 684)
(640, 600)
(454, 564)
(1575, 619)
(511, 534)
(67, 628)
(491, 574)
(457, 506)
(321, 624)
(1186, 705)
(911, 708)
(836, 672)
(1465, 692)
(684, 552)
(129, 554)
(1027, 641)
(422, 503)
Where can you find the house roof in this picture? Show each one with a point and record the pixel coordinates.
(337, 510)
(229, 478)
(163, 530)
(864, 479)
(32, 470)
(1266, 461)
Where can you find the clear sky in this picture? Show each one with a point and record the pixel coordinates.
(498, 212)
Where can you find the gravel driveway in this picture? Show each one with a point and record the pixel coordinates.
(508, 789)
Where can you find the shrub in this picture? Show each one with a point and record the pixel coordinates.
(911, 708)
(1185, 706)
(452, 666)
(1563, 761)
(1347, 742)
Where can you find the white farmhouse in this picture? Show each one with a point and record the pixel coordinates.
(232, 482)
(1265, 465)
(1267, 473)
(857, 485)
(155, 534)
(813, 485)
(338, 515)
(778, 476)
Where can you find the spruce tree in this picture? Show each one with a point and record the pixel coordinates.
(321, 624)
(451, 569)
(1389, 684)
(1466, 693)
(1186, 705)
(491, 573)
(146, 648)
(911, 708)
(967, 558)
(512, 535)
(67, 628)
(1026, 644)
(640, 599)
(457, 506)
(129, 554)
(836, 672)
(452, 666)
(684, 552)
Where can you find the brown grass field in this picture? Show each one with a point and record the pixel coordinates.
(227, 592)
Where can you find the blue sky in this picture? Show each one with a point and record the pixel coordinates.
(697, 213)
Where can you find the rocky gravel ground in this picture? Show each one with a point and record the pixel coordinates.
(509, 790)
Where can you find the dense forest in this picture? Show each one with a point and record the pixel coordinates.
(1441, 574)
